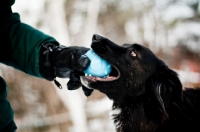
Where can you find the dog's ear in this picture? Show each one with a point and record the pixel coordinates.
(166, 88)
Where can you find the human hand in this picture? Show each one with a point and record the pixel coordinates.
(64, 62)
(72, 61)
(69, 59)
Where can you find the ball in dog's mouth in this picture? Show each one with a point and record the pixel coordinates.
(87, 79)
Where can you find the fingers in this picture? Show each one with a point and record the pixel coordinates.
(62, 72)
(75, 85)
(71, 85)
(74, 82)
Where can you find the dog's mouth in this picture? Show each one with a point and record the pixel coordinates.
(88, 80)
(99, 48)
(114, 75)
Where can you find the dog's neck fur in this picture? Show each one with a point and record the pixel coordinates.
(146, 113)
(132, 116)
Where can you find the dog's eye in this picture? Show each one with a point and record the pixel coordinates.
(133, 53)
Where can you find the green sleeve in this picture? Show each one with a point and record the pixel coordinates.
(21, 45)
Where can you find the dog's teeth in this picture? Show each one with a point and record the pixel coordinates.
(90, 75)
(106, 76)
(86, 74)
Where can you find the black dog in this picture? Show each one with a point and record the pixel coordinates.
(147, 93)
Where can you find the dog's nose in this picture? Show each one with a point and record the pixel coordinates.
(96, 38)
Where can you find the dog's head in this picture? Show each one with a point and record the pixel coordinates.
(133, 66)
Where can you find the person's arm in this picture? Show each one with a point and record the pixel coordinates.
(33, 52)
(21, 45)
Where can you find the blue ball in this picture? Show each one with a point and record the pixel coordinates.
(98, 66)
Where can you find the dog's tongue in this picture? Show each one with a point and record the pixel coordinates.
(107, 79)
(98, 68)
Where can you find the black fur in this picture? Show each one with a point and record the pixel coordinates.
(148, 93)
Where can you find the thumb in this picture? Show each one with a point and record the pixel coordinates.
(83, 63)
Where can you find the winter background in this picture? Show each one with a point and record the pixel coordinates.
(170, 28)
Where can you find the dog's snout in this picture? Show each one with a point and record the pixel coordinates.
(96, 38)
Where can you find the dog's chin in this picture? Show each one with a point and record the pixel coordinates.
(88, 80)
